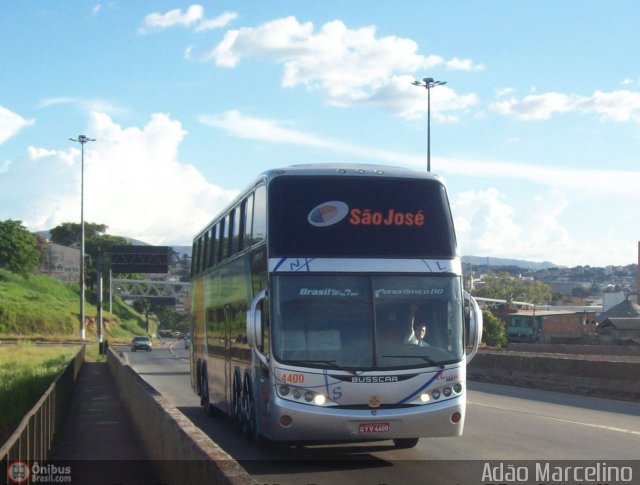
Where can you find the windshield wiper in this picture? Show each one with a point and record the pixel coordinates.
(427, 359)
(330, 363)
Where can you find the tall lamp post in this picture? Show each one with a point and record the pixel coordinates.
(428, 83)
(82, 140)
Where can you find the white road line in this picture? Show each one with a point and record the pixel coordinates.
(591, 425)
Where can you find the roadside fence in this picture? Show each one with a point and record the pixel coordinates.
(33, 438)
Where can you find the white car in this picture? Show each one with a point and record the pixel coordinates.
(141, 342)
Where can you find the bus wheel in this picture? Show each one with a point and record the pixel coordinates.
(248, 420)
(236, 403)
(403, 443)
(199, 379)
(204, 387)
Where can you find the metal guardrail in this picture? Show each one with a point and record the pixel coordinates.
(33, 438)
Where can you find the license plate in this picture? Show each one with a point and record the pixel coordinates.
(374, 428)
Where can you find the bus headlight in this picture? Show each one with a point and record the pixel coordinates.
(304, 396)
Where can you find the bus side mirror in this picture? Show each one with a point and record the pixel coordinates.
(474, 335)
(254, 325)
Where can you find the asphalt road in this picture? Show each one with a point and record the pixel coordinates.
(503, 425)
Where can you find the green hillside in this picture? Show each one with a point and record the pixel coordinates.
(40, 306)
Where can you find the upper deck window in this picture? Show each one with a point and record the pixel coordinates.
(359, 217)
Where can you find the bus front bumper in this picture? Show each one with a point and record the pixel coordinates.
(290, 421)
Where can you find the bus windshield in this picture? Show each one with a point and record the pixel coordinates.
(362, 322)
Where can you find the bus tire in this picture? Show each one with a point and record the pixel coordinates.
(248, 420)
(199, 379)
(204, 387)
(404, 443)
(236, 399)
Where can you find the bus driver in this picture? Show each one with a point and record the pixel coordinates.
(417, 331)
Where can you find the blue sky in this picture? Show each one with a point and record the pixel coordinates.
(536, 133)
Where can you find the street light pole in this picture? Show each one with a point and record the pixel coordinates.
(82, 140)
(428, 83)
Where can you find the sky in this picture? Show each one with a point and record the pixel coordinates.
(536, 132)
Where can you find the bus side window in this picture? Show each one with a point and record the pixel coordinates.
(194, 258)
(230, 231)
(212, 247)
(221, 240)
(248, 221)
(259, 215)
(199, 256)
(236, 237)
(205, 251)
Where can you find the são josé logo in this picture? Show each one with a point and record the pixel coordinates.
(328, 213)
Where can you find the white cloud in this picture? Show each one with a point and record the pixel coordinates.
(174, 17)
(11, 123)
(616, 183)
(269, 131)
(42, 153)
(218, 22)
(349, 66)
(488, 224)
(456, 64)
(616, 105)
(536, 107)
(193, 17)
(134, 183)
(87, 105)
(502, 92)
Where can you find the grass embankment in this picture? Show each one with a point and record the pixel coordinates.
(41, 307)
(26, 371)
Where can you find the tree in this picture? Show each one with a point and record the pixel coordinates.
(501, 286)
(494, 331)
(19, 248)
(538, 292)
(69, 233)
(504, 287)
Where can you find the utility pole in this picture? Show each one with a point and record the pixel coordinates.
(82, 140)
(428, 83)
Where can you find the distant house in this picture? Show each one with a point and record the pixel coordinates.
(551, 326)
(624, 309)
(619, 331)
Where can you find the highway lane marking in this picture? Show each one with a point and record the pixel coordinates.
(591, 425)
(172, 351)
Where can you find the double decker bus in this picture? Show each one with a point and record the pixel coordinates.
(328, 306)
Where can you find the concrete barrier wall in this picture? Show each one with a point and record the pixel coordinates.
(619, 380)
(577, 349)
(181, 452)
